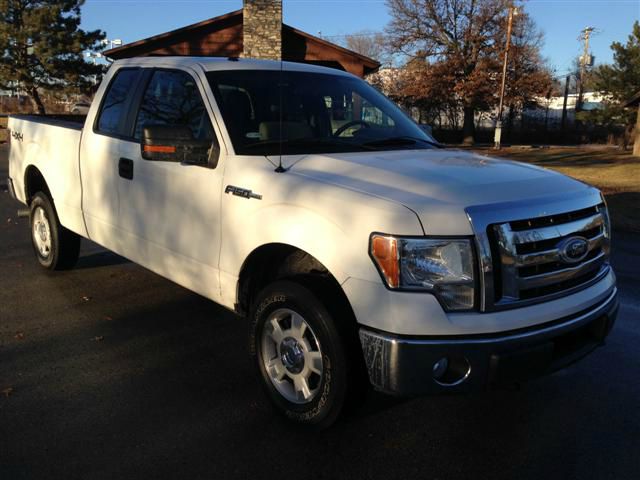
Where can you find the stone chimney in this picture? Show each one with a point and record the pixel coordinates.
(262, 29)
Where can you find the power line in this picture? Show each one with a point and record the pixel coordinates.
(344, 35)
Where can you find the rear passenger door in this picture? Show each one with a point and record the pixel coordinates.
(170, 212)
(100, 154)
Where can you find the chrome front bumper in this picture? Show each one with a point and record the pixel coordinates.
(409, 366)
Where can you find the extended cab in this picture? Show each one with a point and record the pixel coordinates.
(300, 197)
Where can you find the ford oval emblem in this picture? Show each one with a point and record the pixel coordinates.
(573, 249)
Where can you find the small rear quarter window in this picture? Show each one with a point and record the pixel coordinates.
(112, 114)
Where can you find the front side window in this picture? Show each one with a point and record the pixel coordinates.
(272, 112)
(113, 111)
(172, 98)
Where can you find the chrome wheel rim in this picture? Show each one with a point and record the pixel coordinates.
(291, 356)
(41, 232)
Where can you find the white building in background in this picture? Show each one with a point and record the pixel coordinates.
(553, 107)
(550, 109)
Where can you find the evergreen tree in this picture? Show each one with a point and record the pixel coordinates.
(42, 46)
(619, 82)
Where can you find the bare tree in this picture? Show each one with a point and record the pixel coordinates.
(528, 77)
(455, 49)
(462, 37)
(370, 44)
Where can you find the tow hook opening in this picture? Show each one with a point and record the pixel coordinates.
(452, 370)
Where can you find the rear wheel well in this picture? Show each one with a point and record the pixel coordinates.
(34, 182)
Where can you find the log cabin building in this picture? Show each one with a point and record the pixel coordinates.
(255, 31)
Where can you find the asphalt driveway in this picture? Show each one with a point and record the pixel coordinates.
(109, 371)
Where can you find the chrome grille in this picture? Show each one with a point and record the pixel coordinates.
(530, 263)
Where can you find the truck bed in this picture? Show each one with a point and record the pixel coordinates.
(48, 146)
(62, 120)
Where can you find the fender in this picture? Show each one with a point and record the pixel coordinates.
(340, 244)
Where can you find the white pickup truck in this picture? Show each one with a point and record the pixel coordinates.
(301, 198)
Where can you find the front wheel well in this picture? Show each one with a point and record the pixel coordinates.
(277, 261)
(273, 262)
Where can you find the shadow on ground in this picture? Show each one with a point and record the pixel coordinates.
(164, 388)
(624, 208)
(100, 259)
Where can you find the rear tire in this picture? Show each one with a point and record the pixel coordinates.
(299, 354)
(56, 247)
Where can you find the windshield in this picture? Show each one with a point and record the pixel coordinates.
(316, 113)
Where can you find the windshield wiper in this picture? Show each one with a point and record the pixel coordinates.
(311, 142)
(400, 140)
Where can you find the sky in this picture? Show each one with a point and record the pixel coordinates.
(560, 20)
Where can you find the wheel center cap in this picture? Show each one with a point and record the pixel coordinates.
(292, 355)
(42, 230)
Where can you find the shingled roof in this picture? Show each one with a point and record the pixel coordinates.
(222, 36)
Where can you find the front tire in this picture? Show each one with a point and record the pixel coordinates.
(299, 354)
(56, 247)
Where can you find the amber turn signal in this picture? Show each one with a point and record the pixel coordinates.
(384, 250)
(159, 149)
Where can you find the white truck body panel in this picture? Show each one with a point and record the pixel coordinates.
(436, 184)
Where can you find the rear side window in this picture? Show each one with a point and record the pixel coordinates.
(172, 98)
(112, 114)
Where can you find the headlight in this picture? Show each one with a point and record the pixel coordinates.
(442, 266)
(604, 210)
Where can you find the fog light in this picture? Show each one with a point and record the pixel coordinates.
(450, 371)
(440, 368)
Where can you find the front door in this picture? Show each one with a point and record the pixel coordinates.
(99, 158)
(170, 212)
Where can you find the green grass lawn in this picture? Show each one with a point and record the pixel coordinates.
(615, 172)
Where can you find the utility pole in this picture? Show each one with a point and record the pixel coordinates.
(498, 132)
(564, 104)
(585, 60)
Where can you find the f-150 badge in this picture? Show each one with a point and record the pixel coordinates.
(241, 192)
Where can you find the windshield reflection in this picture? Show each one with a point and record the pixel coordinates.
(273, 112)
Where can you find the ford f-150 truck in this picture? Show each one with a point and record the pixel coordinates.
(301, 198)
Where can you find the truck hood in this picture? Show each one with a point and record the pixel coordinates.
(438, 185)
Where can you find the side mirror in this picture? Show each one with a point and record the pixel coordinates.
(175, 143)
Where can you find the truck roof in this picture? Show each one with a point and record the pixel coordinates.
(226, 63)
